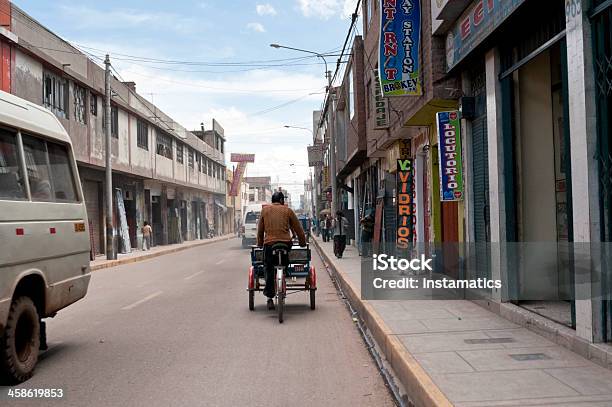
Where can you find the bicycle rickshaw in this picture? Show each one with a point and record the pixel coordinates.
(298, 276)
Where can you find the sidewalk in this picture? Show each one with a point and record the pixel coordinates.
(457, 353)
(139, 255)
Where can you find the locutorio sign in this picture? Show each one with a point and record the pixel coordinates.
(399, 65)
(449, 149)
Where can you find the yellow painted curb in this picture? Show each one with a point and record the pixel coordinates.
(129, 260)
(420, 387)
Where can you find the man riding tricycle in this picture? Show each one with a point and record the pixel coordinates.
(276, 259)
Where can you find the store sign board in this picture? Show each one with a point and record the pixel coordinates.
(381, 105)
(449, 150)
(242, 158)
(398, 52)
(405, 203)
(474, 25)
(315, 155)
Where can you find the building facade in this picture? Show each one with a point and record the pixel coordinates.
(162, 173)
(531, 84)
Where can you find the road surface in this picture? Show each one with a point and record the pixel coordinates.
(176, 331)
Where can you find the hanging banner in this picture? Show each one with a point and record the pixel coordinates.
(315, 155)
(381, 105)
(398, 51)
(405, 203)
(449, 150)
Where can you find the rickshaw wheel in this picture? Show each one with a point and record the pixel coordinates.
(312, 299)
(251, 300)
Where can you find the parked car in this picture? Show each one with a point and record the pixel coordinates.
(44, 234)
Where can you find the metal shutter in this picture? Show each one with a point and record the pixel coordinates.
(92, 202)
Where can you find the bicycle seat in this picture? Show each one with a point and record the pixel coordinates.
(282, 248)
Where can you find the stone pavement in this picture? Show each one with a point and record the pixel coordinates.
(454, 352)
(139, 255)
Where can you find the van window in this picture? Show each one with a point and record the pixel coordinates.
(11, 178)
(61, 173)
(251, 217)
(49, 171)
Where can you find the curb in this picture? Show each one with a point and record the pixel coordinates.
(421, 389)
(129, 260)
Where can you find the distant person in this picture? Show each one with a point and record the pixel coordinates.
(147, 231)
(367, 232)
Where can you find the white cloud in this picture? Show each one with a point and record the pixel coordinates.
(326, 9)
(257, 27)
(265, 9)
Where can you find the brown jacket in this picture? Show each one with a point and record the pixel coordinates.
(276, 223)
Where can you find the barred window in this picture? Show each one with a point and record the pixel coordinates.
(142, 130)
(115, 121)
(164, 145)
(179, 153)
(190, 158)
(93, 104)
(80, 109)
(55, 94)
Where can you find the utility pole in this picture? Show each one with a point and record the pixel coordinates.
(111, 254)
(332, 145)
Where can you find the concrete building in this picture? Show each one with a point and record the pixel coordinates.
(260, 189)
(162, 173)
(531, 84)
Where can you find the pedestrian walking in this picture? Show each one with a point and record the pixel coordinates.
(340, 227)
(147, 231)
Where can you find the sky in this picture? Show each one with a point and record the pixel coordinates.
(254, 93)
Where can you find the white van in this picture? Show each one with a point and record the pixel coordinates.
(249, 224)
(44, 237)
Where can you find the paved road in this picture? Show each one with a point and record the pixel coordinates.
(176, 331)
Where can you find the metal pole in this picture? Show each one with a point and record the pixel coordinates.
(111, 254)
(332, 147)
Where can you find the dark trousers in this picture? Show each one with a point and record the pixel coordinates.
(270, 262)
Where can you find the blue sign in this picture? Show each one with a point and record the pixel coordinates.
(476, 24)
(449, 150)
(398, 53)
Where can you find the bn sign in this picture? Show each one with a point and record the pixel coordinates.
(451, 164)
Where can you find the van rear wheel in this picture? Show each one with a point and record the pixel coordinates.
(20, 342)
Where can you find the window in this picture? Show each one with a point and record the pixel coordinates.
(369, 98)
(222, 143)
(55, 94)
(190, 158)
(369, 11)
(93, 104)
(142, 134)
(11, 178)
(114, 121)
(205, 165)
(179, 153)
(351, 95)
(251, 217)
(49, 171)
(164, 145)
(80, 95)
(61, 173)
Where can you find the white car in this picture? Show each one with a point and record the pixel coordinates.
(44, 238)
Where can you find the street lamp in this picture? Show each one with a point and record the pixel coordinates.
(332, 138)
(299, 128)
